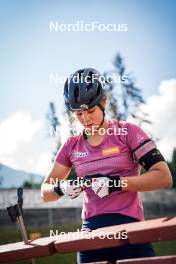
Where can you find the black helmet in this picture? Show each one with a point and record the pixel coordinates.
(83, 90)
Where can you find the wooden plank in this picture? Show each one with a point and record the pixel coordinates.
(152, 260)
(37, 248)
(88, 241)
(153, 231)
(102, 262)
(147, 231)
(138, 232)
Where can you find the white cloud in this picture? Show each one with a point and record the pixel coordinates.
(24, 145)
(43, 164)
(162, 112)
(18, 128)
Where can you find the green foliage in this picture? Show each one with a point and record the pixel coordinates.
(165, 248)
(172, 167)
(52, 116)
(1, 176)
(124, 96)
(54, 125)
(72, 175)
(31, 185)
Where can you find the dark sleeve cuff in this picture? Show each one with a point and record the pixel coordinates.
(58, 190)
(114, 184)
(151, 158)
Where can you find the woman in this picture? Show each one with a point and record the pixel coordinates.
(112, 153)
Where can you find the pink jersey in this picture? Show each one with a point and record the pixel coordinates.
(113, 156)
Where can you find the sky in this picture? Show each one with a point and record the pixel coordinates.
(31, 53)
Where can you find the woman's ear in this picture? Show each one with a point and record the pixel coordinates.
(73, 116)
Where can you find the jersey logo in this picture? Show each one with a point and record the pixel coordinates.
(110, 151)
(80, 154)
(139, 138)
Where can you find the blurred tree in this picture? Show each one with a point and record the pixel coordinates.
(70, 124)
(55, 130)
(172, 167)
(54, 125)
(27, 184)
(31, 185)
(1, 180)
(1, 177)
(70, 120)
(124, 96)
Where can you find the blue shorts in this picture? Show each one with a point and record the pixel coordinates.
(115, 253)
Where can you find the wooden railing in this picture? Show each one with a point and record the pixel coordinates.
(139, 232)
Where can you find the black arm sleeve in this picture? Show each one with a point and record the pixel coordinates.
(151, 158)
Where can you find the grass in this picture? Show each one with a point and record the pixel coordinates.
(12, 235)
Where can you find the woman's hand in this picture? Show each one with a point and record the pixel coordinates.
(105, 185)
(68, 189)
(58, 172)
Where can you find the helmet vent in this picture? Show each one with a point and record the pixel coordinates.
(76, 94)
(99, 89)
(89, 80)
(79, 74)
